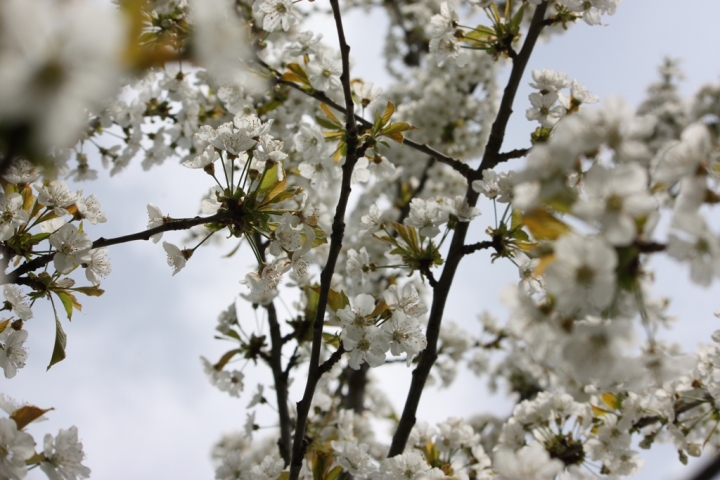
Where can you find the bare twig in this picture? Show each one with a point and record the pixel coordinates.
(517, 153)
(455, 253)
(497, 133)
(279, 377)
(474, 247)
(463, 168)
(175, 224)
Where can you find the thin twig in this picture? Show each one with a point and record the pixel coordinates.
(463, 168)
(279, 377)
(517, 153)
(455, 253)
(175, 224)
(497, 133)
(474, 247)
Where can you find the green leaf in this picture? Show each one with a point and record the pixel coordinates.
(39, 237)
(226, 358)
(69, 301)
(313, 296)
(93, 291)
(330, 125)
(334, 473)
(297, 73)
(331, 339)
(271, 176)
(389, 110)
(330, 114)
(27, 414)
(4, 324)
(543, 225)
(394, 131)
(337, 300)
(516, 19)
(58, 354)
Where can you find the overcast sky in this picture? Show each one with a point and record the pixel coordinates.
(132, 381)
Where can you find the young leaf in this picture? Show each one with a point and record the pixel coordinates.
(226, 358)
(69, 301)
(93, 291)
(389, 110)
(27, 414)
(58, 354)
(543, 225)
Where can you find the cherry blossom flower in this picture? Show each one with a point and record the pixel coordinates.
(12, 353)
(406, 335)
(324, 72)
(12, 215)
(98, 266)
(64, 456)
(73, 248)
(582, 277)
(15, 447)
(14, 296)
(176, 258)
(278, 13)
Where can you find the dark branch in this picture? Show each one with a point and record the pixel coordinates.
(330, 362)
(468, 249)
(517, 153)
(463, 168)
(455, 253)
(425, 270)
(315, 370)
(176, 224)
(497, 133)
(279, 377)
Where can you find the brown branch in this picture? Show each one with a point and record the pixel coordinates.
(497, 133)
(517, 153)
(330, 362)
(315, 371)
(468, 249)
(463, 168)
(455, 253)
(710, 471)
(279, 376)
(175, 224)
(425, 270)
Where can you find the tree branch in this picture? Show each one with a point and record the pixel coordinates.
(497, 133)
(279, 377)
(455, 253)
(315, 371)
(175, 224)
(474, 247)
(517, 153)
(461, 167)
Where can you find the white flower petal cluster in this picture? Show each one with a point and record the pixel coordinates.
(15, 447)
(12, 215)
(57, 61)
(263, 283)
(12, 353)
(427, 215)
(64, 456)
(324, 72)
(225, 381)
(73, 248)
(582, 277)
(14, 296)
